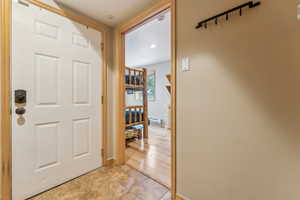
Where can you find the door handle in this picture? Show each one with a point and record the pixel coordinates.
(20, 111)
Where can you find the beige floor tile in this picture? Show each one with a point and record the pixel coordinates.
(167, 196)
(111, 183)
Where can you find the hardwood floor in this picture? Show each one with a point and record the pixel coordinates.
(109, 183)
(152, 156)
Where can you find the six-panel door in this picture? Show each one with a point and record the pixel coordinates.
(58, 63)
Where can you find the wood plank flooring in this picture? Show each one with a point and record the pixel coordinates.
(109, 183)
(152, 156)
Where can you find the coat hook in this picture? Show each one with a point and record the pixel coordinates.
(239, 9)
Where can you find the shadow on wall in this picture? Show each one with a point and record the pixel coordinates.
(80, 27)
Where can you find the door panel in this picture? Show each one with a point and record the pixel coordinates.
(82, 137)
(58, 63)
(47, 79)
(47, 145)
(47, 30)
(81, 83)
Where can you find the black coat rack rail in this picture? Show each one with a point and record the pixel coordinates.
(215, 18)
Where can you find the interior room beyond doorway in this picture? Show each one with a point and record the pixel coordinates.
(148, 98)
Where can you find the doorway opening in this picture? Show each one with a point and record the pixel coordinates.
(137, 122)
(148, 98)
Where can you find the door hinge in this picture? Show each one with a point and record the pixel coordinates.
(102, 153)
(102, 46)
(3, 169)
(23, 3)
(102, 99)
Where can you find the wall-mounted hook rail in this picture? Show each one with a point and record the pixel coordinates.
(249, 4)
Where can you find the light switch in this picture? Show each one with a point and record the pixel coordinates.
(185, 64)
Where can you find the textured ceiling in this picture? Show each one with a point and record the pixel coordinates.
(110, 12)
(150, 43)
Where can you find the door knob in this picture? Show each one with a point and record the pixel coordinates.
(20, 111)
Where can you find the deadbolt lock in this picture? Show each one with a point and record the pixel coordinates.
(20, 96)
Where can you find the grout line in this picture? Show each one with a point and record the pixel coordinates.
(165, 195)
(148, 176)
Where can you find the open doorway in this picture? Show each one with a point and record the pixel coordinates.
(147, 94)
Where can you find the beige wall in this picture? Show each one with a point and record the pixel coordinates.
(239, 110)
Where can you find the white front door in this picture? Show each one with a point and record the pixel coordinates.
(58, 63)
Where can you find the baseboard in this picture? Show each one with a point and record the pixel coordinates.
(181, 197)
(110, 161)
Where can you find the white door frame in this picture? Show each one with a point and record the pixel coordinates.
(6, 142)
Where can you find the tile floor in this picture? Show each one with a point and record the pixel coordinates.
(109, 183)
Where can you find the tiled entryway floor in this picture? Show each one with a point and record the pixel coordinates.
(109, 183)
